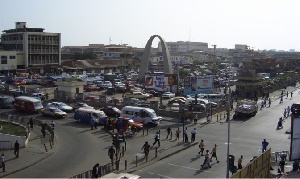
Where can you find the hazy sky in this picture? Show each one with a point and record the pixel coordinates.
(261, 24)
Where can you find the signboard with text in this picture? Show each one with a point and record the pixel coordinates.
(167, 82)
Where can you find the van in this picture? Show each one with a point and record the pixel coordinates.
(28, 104)
(135, 113)
(213, 97)
(87, 114)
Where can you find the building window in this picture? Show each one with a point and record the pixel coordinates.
(12, 57)
(3, 61)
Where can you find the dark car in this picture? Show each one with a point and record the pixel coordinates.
(153, 92)
(111, 111)
(111, 91)
(80, 105)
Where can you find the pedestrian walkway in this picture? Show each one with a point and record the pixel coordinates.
(32, 154)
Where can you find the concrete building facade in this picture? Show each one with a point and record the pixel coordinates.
(11, 61)
(181, 46)
(42, 52)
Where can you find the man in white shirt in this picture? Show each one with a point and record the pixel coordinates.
(194, 132)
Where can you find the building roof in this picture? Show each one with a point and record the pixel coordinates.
(86, 64)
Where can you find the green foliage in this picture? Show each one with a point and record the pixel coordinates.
(70, 79)
(11, 129)
(183, 73)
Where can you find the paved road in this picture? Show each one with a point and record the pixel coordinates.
(246, 137)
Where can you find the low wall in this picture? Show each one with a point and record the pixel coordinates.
(9, 140)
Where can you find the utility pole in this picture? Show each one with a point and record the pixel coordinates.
(214, 60)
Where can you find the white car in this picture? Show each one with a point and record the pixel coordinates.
(168, 95)
(106, 84)
(62, 106)
(117, 84)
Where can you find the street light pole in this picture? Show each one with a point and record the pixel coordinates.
(228, 130)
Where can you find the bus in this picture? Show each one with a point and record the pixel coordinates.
(28, 104)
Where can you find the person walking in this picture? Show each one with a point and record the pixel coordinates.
(281, 166)
(287, 94)
(269, 102)
(95, 171)
(178, 131)
(186, 138)
(201, 146)
(240, 162)
(111, 153)
(93, 123)
(291, 94)
(206, 160)
(288, 110)
(157, 139)
(3, 162)
(169, 132)
(195, 118)
(31, 123)
(214, 153)
(146, 148)
(16, 149)
(193, 135)
(52, 124)
(43, 130)
(264, 144)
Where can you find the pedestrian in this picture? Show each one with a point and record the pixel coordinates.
(284, 113)
(47, 96)
(186, 138)
(287, 94)
(31, 123)
(288, 110)
(281, 99)
(261, 105)
(201, 146)
(281, 166)
(3, 162)
(269, 102)
(156, 139)
(193, 135)
(113, 125)
(111, 153)
(195, 118)
(214, 153)
(52, 124)
(291, 94)
(264, 145)
(146, 148)
(177, 133)
(43, 130)
(240, 162)
(206, 160)
(95, 171)
(17, 148)
(169, 132)
(92, 123)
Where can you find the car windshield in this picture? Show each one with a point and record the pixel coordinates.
(62, 104)
(38, 105)
(55, 110)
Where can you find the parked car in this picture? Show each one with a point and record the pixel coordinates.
(111, 91)
(40, 96)
(130, 122)
(92, 98)
(19, 82)
(111, 111)
(168, 95)
(80, 105)
(60, 105)
(154, 93)
(106, 84)
(138, 95)
(54, 112)
(6, 101)
(121, 89)
(172, 101)
(90, 88)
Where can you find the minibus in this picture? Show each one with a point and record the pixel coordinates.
(86, 114)
(134, 113)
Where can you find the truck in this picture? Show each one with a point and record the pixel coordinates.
(245, 108)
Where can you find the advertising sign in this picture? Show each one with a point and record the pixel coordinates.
(167, 82)
(198, 84)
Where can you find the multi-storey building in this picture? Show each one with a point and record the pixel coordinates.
(181, 46)
(42, 53)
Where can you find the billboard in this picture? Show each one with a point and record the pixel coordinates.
(295, 138)
(198, 84)
(166, 82)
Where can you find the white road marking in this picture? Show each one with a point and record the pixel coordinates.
(227, 143)
(189, 168)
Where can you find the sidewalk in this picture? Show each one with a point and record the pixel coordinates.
(32, 154)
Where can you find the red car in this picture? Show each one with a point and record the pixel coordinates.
(128, 120)
(90, 88)
(19, 82)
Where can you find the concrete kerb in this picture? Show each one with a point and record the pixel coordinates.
(145, 164)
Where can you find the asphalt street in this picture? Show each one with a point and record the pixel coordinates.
(245, 139)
